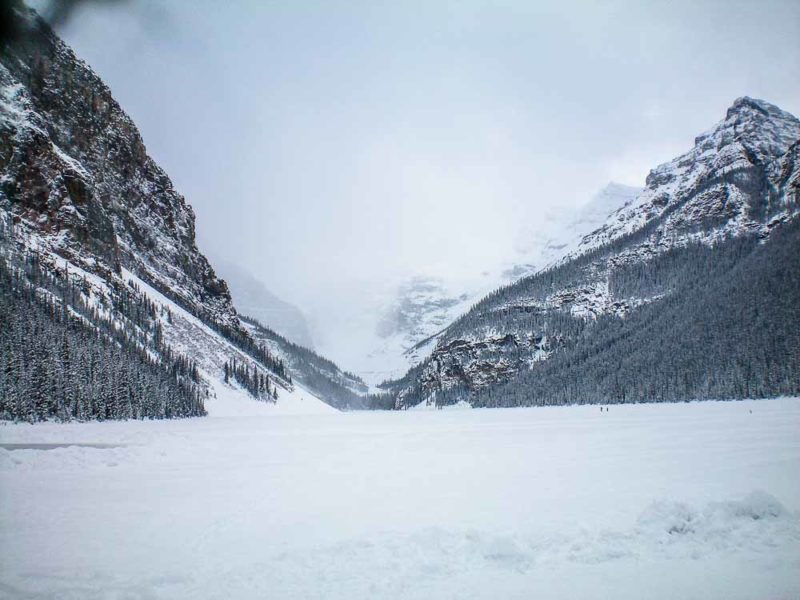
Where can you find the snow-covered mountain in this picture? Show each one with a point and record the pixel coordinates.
(701, 265)
(424, 306)
(738, 178)
(563, 231)
(252, 298)
(96, 240)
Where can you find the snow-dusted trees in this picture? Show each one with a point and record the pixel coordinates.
(251, 378)
(62, 358)
(315, 372)
(719, 322)
(727, 328)
(235, 335)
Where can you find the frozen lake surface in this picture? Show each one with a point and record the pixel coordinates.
(697, 500)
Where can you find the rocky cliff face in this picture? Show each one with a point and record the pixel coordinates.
(740, 180)
(736, 179)
(77, 178)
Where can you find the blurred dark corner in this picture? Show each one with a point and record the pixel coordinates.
(55, 12)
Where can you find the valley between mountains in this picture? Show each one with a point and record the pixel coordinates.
(170, 428)
(687, 288)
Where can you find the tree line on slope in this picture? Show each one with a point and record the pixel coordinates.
(237, 336)
(256, 384)
(514, 300)
(62, 358)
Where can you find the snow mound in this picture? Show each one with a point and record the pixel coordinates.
(755, 523)
(718, 519)
(434, 560)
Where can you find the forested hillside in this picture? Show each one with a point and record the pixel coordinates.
(100, 260)
(691, 290)
(64, 358)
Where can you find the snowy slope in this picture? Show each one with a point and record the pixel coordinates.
(707, 193)
(310, 370)
(77, 175)
(187, 334)
(564, 232)
(229, 401)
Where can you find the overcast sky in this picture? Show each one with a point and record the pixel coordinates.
(331, 147)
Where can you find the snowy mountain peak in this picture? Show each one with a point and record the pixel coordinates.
(562, 234)
(716, 188)
(747, 105)
(423, 307)
(751, 126)
(614, 189)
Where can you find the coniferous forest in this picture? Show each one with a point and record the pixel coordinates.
(61, 358)
(722, 326)
(251, 379)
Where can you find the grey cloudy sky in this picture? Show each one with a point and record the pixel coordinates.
(333, 146)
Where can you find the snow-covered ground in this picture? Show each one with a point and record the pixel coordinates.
(228, 401)
(695, 500)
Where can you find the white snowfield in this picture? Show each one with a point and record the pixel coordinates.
(696, 500)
